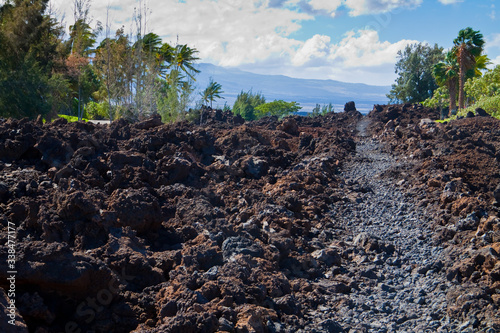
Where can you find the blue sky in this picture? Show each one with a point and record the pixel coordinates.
(345, 40)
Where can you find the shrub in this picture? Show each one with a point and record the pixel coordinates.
(278, 108)
(490, 104)
(245, 104)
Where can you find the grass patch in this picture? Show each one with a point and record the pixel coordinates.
(71, 119)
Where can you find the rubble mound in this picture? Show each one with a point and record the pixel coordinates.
(171, 228)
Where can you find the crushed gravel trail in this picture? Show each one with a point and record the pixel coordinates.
(392, 268)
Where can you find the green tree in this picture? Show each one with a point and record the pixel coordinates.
(245, 104)
(145, 76)
(487, 85)
(415, 81)
(213, 91)
(180, 58)
(81, 45)
(183, 59)
(278, 108)
(446, 74)
(485, 92)
(31, 54)
(173, 97)
(113, 63)
(468, 47)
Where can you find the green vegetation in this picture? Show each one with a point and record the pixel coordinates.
(415, 81)
(245, 104)
(97, 111)
(484, 92)
(446, 74)
(252, 106)
(31, 53)
(440, 99)
(212, 92)
(129, 76)
(489, 104)
(468, 47)
(461, 78)
(71, 119)
(322, 110)
(487, 85)
(277, 108)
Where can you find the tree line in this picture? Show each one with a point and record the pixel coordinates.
(125, 75)
(451, 80)
(129, 75)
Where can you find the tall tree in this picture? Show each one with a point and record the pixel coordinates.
(415, 81)
(446, 74)
(81, 46)
(30, 54)
(113, 63)
(468, 47)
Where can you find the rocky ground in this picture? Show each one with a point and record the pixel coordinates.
(341, 223)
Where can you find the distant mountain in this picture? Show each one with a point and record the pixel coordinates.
(304, 91)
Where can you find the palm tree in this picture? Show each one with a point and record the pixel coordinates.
(179, 58)
(446, 74)
(212, 92)
(468, 47)
(482, 63)
(166, 58)
(151, 43)
(184, 58)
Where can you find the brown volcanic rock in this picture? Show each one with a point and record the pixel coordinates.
(172, 228)
(229, 227)
(55, 267)
(137, 209)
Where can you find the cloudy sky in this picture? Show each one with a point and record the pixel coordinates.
(345, 40)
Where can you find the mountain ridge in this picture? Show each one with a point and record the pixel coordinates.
(307, 92)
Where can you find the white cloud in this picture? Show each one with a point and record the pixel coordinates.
(495, 62)
(227, 32)
(360, 7)
(492, 49)
(330, 6)
(317, 47)
(359, 57)
(364, 49)
(356, 49)
(450, 2)
(256, 34)
(493, 41)
(366, 7)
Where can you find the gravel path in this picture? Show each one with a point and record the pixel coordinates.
(392, 267)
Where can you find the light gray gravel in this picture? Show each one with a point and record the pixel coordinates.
(392, 264)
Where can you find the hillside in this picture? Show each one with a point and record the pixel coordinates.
(306, 92)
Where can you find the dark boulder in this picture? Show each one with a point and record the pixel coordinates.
(482, 113)
(350, 106)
